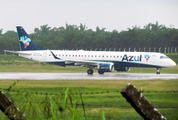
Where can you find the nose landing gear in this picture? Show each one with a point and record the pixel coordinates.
(158, 71)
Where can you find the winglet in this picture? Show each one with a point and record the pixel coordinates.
(55, 56)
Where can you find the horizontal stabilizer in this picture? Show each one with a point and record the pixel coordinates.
(17, 52)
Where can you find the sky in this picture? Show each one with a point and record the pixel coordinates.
(109, 14)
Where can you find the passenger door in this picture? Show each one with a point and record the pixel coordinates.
(153, 58)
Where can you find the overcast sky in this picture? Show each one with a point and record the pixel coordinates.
(110, 14)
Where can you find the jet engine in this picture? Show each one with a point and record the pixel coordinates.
(106, 67)
(124, 69)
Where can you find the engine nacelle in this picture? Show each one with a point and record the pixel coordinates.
(106, 67)
(124, 69)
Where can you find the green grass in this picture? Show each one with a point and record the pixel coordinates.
(174, 57)
(95, 102)
(73, 69)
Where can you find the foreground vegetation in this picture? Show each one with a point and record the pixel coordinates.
(93, 99)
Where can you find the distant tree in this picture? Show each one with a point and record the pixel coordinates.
(79, 37)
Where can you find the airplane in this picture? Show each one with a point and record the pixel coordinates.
(103, 61)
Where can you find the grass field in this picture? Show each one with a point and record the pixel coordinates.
(98, 96)
(100, 99)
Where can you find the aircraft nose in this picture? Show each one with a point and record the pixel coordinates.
(172, 63)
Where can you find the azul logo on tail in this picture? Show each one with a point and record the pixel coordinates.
(26, 41)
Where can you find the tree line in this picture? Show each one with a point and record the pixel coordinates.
(79, 37)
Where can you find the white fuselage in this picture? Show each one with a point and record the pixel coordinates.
(120, 59)
(104, 61)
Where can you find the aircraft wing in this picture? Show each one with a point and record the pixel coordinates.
(17, 52)
(83, 63)
(86, 63)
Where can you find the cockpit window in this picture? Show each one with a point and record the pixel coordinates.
(163, 57)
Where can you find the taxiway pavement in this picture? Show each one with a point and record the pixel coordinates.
(85, 76)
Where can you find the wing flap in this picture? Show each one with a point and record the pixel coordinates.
(86, 63)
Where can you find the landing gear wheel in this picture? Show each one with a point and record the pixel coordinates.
(90, 71)
(158, 72)
(100, 72)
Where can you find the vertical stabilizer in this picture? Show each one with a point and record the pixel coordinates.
(25, 42)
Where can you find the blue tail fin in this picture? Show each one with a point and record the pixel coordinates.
(25, 42)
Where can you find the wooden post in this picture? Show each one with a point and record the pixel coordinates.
(140, 103)
(9, 109)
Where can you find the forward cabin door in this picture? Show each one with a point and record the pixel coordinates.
(153, 58)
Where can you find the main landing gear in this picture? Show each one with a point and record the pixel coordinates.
(90, 71)
(100, 72)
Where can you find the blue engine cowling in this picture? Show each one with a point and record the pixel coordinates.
(124, 69)
(106, 67)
